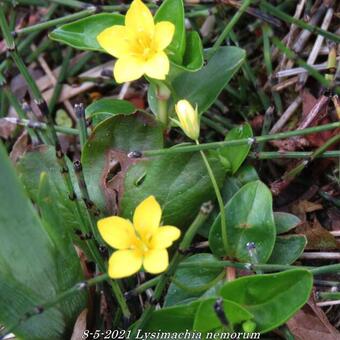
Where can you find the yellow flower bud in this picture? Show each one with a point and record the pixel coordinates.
(188, 119)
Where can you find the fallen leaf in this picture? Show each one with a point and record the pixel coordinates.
(318, 238)
(310, 323)
(19, 147)
(80, 326)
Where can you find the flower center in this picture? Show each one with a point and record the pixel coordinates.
(144, 46)
(141, 245)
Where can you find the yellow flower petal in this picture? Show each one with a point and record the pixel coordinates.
(164, 32)
(158, 66)
(164, 237)
(139, 18)
(124, 263)
(156, 261)
(114, 41)
(116, 231)
(128, 68)
(147, 217)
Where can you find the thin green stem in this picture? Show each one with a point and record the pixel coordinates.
(178, 257)
(318, 152)
(292, 154)
(50, 23)
(42, 126)
(61, 158)
(243, 141)
(143, 287)
(57, 299)
(329, 295)
(300, 23)
(20, 111)
(61, 77)
(81, 124)
(228, 28)
(219, 200)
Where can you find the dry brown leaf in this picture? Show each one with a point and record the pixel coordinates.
(80, 326)
(311, 323)
(318, 238)
(6, 128)
(19, 147)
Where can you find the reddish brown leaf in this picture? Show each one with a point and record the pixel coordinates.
(318, 238)
(310, 323)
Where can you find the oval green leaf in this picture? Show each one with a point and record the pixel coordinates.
(82, 34)
(234, 156)
(113, 139)
(249, 218)
(206, 318)
(179, 182)
(173, 11)
(272, 298)
(190, 283)
(285, 222)
(287, 249)
(201, 88)
(106, 107)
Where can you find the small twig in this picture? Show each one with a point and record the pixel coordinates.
(318, 43)
(328, 303)
(321, 255)
(309, 118)
(300, 70)
(286, 115)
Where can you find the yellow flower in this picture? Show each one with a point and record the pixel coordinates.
(139, 45)
(188, 119)
(142, 243)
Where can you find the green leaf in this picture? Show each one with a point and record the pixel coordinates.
(285, 222)
(272, 298)
(235, 155)
(105, 108)
(249, 219)
(32, 266)
(231, 185)
(115, 138)
(173, 11)
(173, 319)
(201, 88)
(206, 318)
(190, 283)
(82, 34)
(180, 183)
(43, 160)
(193, 57)
(287, 249)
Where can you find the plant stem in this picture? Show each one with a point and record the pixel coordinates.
(50, 23)
(329, 295)
(143, 287)
(42, 126)
(292, 154)
(61, 158)
(61, 77)
(319, 151)
(259, 139)
(300, 23)
(219, 200)
(81, 123)
(333, 268)
(178, 257)
(228, 28)
(57, 299)
(292, 55)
